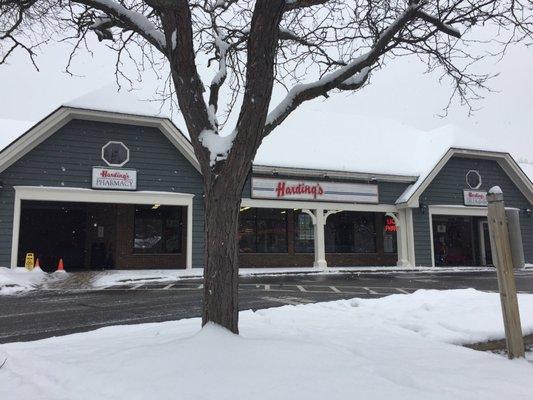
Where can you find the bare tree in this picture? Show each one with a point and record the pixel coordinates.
(313, 48)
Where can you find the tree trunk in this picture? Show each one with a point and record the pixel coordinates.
(221, 273)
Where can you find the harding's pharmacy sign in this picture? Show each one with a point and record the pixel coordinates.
(117, 179)
(286, 189)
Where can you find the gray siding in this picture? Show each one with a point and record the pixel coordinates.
(67, 157)
(447, 189)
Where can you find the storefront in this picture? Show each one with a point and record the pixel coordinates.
(108, 190)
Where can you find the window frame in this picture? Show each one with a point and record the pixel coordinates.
(119, 143)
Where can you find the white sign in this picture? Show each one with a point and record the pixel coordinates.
(117, 179)
(286, 189)
(475, 197)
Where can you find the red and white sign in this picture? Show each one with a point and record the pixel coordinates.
(287, 189)
(475, 198)
(117, 179)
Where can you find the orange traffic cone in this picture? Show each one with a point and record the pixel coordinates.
(37, 266)
(60, 267)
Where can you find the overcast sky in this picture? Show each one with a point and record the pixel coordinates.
(399, 92)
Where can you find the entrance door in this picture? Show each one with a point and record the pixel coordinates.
(453, 242)
(484, 243)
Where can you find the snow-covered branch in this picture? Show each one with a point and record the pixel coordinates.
(353, 75)
(217, 81)
(440, 25)
(128, 20)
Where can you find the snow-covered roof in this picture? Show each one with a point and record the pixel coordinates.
(355, 143)
(107, 98)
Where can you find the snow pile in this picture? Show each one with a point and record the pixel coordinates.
(18, 280)
(392, 348)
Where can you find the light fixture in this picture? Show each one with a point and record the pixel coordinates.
(529, 212)
(423, 208)
(155, 206)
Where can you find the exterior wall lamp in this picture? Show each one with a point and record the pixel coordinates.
(529, 211)
(423, 208)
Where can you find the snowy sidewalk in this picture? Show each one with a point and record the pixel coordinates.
(398, 347)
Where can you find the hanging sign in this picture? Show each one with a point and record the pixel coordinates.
(287, 189)
(475, 197)
(117, 179)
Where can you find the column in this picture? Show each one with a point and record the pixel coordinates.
(401, 238)
(319, 218)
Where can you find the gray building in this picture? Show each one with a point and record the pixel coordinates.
(103, 189)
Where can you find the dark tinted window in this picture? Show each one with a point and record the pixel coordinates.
(158, 230)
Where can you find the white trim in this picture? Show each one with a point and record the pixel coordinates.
(59, 118)
(43, 193)
(116, 165)
(314, 205)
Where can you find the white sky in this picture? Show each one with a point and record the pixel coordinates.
(400, 92)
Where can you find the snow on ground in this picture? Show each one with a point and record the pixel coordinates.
(19, 280)
(111, 278)
(398, 347)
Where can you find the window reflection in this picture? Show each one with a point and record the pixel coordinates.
(262, 230)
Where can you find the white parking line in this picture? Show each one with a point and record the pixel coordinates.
(334, 289)
(168, 286)
(136, 286)
(402, 291)
(370, 290)
(267, 288)
(200, 286)
(301, 288)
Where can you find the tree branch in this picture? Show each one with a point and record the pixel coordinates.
(440, 25)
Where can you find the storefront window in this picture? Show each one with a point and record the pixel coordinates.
(351, 232)
(158, 229)
(304, 234)
(263, 230)
(389, 235)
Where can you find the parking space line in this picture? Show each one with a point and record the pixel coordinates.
(334, 289)
(168, 286)
(402, 291)
(301, 288)
(136, 286)
(267, 288)
(370, 290)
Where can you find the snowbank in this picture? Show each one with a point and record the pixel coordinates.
(392, 348)
(19, 280)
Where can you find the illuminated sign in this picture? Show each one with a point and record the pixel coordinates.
(390, 225)
(287, 189)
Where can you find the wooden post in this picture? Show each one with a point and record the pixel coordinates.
(503, 260)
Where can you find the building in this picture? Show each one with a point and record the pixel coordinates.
(106, 189)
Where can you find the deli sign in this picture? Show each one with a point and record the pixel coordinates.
(288, 189)
(475, 197)
(116, 179)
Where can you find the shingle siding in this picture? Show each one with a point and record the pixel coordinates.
(447, 189)
(66, 159)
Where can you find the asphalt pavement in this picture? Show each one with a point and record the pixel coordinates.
(45, 313)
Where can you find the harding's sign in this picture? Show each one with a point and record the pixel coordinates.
(475, 197)
(118, 179)
(286, 189)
